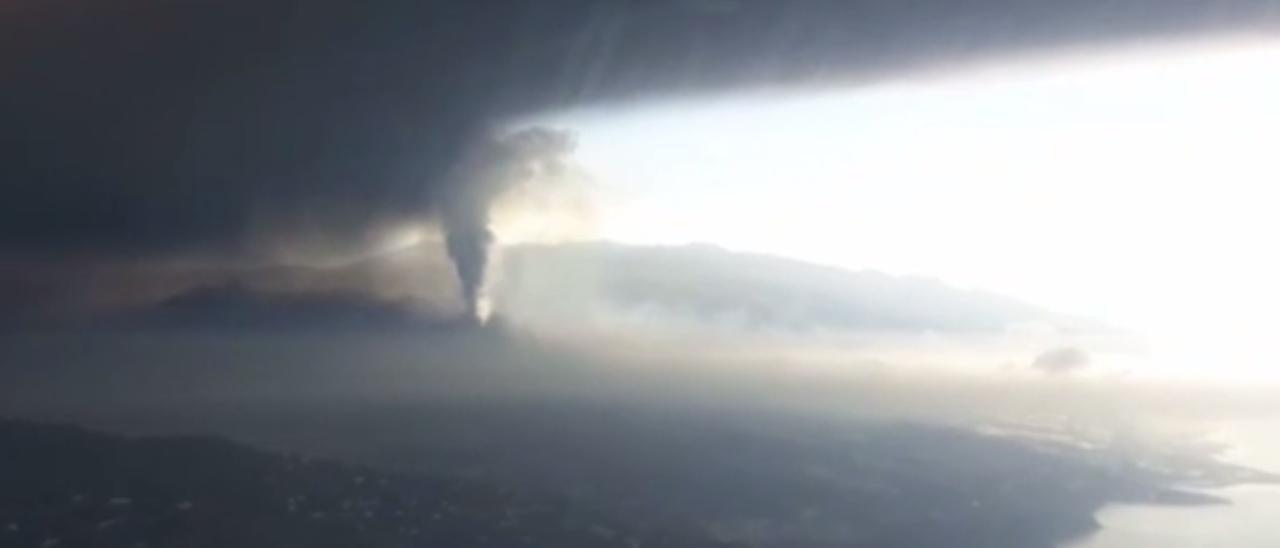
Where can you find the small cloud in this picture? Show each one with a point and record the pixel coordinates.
(1061, 360)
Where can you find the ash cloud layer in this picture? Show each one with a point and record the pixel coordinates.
(147, 133)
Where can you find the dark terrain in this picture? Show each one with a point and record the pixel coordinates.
(485, 439)
(64, 486)
(548, 476)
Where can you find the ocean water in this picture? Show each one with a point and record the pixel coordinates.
(1252, 520)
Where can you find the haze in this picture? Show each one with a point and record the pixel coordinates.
(580, 273)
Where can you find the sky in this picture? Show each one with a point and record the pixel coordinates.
(156, 149)
(1132, 185)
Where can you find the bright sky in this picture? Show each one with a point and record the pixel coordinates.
(1138, 187)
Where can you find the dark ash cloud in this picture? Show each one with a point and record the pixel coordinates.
(238, 307)
(139, 131)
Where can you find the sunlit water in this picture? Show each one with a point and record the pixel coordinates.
(1252, 520)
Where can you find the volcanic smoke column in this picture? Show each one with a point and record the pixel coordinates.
(489, 169)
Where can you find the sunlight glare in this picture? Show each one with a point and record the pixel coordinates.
(1133, 187)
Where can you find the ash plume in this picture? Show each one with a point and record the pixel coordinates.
(491, 167)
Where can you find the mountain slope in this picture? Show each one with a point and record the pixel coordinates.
(705, 284)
